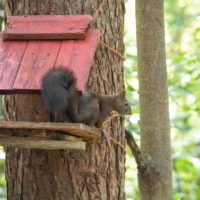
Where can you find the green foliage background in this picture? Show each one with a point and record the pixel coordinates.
(182, 21)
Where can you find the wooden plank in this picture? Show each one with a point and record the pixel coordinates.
(42, 134)
(11, 55)
(39, 57)
(41, 144)
(75, 129)
(52, 27)
(78, 56)
(22, 69)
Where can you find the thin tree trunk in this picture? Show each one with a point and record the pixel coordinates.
(97, 173)
(155, 182)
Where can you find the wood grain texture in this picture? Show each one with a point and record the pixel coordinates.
(11, 55)
(51, 27)
(71, 128)
(39, 57)
(39, 134)
(23, 69)
(41, 144)
(78, 56)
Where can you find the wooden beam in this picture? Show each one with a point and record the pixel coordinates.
(46, 27)
(40, 134)
(75, 129)
(41, 144)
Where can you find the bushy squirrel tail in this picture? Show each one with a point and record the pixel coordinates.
(57, 87)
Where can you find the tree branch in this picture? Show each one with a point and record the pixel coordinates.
(146, 169)
(135, 151)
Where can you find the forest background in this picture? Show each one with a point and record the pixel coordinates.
(182, 27)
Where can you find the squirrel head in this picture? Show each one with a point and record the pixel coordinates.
(121, 105)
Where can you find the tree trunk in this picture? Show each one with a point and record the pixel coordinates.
(98, 172)
(155, 183)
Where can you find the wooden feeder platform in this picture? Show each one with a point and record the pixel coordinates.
(46, 135)
(30, 46)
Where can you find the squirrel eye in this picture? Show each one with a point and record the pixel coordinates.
(126, 103)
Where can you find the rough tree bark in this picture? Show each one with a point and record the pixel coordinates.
(97, 173)
(155, 182)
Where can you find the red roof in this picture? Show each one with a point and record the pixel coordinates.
(23, 63)
(46, 27)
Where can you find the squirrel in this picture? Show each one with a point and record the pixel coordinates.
(60, 94)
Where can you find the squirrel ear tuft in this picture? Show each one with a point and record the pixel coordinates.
(122, 93)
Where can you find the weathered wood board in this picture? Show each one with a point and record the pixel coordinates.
(48, 27)
(41, 144)
(78, 56)
(75, 129)
(11, 55)
(24, 63)
(38, 59)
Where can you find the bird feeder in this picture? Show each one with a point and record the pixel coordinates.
(29, 47)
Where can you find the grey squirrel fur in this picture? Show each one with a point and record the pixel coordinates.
(59, 94)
